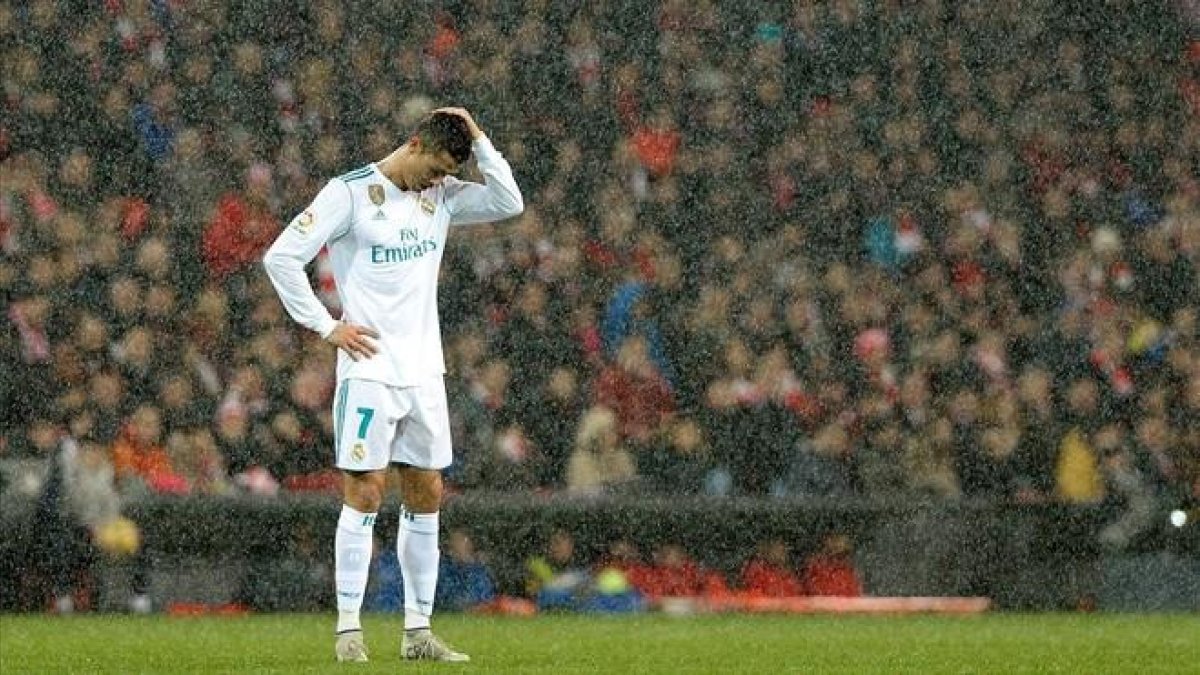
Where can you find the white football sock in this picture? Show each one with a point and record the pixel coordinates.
(352, 562)
(417, 548)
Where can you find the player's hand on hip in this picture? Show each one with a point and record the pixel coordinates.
(355, 340)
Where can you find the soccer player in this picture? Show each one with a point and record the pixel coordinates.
(386, 225)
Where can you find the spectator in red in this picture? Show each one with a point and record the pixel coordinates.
(769, 572)
(675, 574)
(657, 143)
(242, 227)
(831, 571)
(633, 388)
(623, 556)
(441, 49)
(139, 454)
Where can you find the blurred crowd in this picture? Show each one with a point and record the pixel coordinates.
(560, 576)
(887, 248)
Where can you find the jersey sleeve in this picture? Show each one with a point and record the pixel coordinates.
(325, 220)
(498, 198)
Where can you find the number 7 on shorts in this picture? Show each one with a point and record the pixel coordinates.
(364, 422)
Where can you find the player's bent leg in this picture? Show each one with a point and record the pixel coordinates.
(362, 493)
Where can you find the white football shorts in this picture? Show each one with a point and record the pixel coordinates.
(375, 424)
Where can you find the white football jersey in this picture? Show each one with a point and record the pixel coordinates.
(386, 246)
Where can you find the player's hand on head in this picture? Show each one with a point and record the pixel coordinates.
(476, 132)
(355, 340)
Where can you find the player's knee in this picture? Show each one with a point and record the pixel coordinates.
(363, 492)
(422, 491)
(366, 500)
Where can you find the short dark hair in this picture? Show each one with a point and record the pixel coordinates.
(445, 131)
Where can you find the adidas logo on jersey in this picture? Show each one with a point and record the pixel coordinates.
(379, 215)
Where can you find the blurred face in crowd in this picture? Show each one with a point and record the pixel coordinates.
(533, 300)
(107, 390)
(154, 258)
(713, 307)
(160, 304)
(562, 384)
(68, 366)
(36, 310)
(774, 370)
(776, 552)
(70, 230)
(233, 424)
(1034, 387)
(671, 555)
(247, 59)
(1083, 396)
(634, 356)
(1108, 439)
(832, 441)
(104, 251)
(43, 435)
(146, 425)
(328, 153)
(837, 545)
(42, 273)
(269, 352)
(737, 358)
(249, 381)
(914, 391)
(686, 437)
(137, 346)
(125, 294)
(1154, 433)
(179, 447)
(309, 388)
(947, 348)
(964, 407)
(1000, 443)
(287, 427)
(176, 392)
(460, 546)
(1184, 321)
(1191, 395)
(607, 438)
(623, 550)
(760, 315)
(562, 546)
(82, 424)
(470, 349)
(76, 170)
(495, 377)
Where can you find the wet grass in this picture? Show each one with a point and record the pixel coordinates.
(1042, 643)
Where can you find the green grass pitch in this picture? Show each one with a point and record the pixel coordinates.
(997, 643)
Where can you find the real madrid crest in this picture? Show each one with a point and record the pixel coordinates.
(303, 222)
(358, 452)
(375, 192)
(426, 205)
